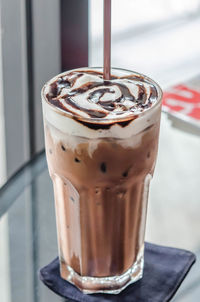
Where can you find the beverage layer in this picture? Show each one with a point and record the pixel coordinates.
(101, 201)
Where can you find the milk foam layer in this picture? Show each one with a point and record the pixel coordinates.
(79, 102)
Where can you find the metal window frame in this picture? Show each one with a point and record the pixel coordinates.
(74, 33)
(30, 56)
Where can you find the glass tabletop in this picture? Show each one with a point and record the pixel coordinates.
(27, 208)
(28, 229)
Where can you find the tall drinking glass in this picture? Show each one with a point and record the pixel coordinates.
(101, 167)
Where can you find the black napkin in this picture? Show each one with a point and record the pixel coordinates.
(164, 270)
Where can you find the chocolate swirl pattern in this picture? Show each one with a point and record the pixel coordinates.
(86, 94)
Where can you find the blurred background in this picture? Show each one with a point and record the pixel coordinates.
(160, 38)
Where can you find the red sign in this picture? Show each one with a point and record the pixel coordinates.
(183, 100)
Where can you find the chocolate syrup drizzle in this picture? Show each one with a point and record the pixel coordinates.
(97, 89)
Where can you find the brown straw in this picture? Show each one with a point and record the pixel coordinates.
(107, 39)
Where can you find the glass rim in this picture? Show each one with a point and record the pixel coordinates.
(93, 120)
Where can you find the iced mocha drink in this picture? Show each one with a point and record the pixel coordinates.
(101, 141)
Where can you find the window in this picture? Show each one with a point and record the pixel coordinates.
(30, 54)
(158, 38)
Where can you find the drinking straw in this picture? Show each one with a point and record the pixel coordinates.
(107, 39)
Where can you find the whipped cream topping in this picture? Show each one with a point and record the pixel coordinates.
(79, 103)
(85, 94)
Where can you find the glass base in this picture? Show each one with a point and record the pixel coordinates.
(108, 285)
